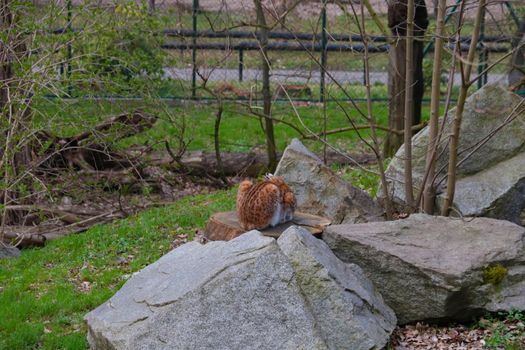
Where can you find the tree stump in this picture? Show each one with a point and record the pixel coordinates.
(225, 226)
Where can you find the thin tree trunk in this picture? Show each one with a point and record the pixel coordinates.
(267, 102)
(397, 21)
(6, 76)
(216, 132)
(6, 72)
(454, 136)
(371, 121)
(151, 7)
(429, 192)
(396, 86)
(409, 102)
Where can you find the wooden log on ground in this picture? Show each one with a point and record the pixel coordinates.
(235, 163)
(249, 164)
(225, 226)
(23, 236)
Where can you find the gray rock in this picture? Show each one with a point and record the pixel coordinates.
(319, 191)
(347, 310)
(437, 268)
(7, 251)
(241, 294)
(498, 192)
(490, 178)
(217, 296)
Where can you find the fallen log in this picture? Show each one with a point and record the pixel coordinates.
(63, 215)
(22, 236)
(26, 236)
(243, 164)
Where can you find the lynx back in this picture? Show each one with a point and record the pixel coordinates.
(266, 203)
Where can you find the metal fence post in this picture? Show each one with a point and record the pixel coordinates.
(323, 53)
(482, 54)
(486, 74)
(69, 48)
(512, 13)
(241, 63)
(195, 9)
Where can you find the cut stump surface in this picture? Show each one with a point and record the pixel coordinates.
(225, 226)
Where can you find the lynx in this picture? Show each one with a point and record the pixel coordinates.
(268, 203)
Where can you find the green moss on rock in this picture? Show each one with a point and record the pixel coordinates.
(494, 274)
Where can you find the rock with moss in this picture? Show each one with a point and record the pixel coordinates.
(491, 180)
(320, 191)
(248, 293)
(495, 274)
(430, 268)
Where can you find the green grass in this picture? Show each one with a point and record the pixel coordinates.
(240, 131)
(366, 177)
(42, 301)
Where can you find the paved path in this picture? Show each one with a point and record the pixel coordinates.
(294, 76)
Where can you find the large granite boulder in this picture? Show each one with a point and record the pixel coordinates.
(319, 191)
(438, 268)
(491, 181)
(348, 312)
(248, 293)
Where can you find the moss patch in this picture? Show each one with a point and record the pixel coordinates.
(495, 274)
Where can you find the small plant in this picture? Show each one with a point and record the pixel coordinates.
(507, 330)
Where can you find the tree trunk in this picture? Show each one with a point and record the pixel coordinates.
(151, 7)
(397, 19)
(372, 121)
(6, 72)
(12, 159)
(267, 98)
(409, 102)
(396, 86)
(429, 192)
(216, 138)
(456, 129)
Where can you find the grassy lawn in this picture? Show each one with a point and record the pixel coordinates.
(240, 130)
(46, 292)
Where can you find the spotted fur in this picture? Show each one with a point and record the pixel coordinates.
(266, 203)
